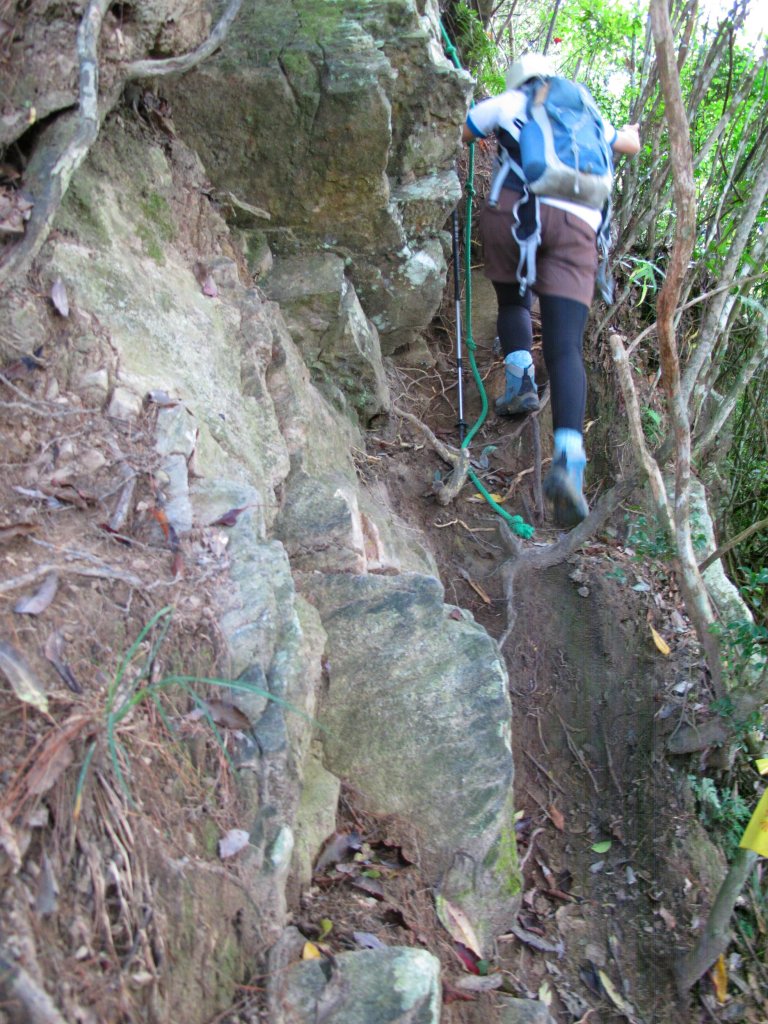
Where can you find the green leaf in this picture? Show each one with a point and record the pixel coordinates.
(602, 847)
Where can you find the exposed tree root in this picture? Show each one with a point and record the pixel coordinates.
(554, 554)
(445, 491)
(64, 145)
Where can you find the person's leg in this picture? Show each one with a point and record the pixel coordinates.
(562, 326)
(513, 325)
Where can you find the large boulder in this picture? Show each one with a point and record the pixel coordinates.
(394, 985)
(417, 718)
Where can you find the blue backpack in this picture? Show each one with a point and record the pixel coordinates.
(558, 151)
(562, 145)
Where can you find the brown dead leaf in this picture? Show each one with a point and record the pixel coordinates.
(457, 924)
(336, 848)
(53, 760)
(223, 714)
(556, 817)
(54, 652)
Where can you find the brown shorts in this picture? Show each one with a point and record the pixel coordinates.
(566, 259)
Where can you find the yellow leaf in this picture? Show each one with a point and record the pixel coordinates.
(498, 498)
(762, 765)
(457, 924)
(756, 833)
(310, 952)
(618, 1001)
(545, 993)
(325, 927)
(660, 642)
(720, 979)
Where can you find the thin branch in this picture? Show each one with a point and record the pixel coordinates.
(732, 543)
(646, 460)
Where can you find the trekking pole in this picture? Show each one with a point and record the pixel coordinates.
(457, 296)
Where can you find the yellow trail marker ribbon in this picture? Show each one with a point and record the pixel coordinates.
(756, 833)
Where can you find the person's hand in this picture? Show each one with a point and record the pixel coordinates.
(628, 140)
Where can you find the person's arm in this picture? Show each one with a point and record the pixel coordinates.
(467, 135)
(627, 140)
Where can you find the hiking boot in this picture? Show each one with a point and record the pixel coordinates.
(563, 487)
(520, 397)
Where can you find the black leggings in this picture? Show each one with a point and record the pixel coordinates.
(562, 333)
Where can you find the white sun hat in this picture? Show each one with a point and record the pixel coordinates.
(530, 65)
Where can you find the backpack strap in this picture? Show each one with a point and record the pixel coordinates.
(505, 164)
(526, 231)
(604, 279)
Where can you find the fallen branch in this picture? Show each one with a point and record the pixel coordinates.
(554, 554)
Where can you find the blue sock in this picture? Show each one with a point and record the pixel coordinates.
(517, 365)
(571, 444)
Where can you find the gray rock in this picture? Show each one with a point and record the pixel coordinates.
(316, 817)
(339, 344)
(124, 405)
(396, 985)
(524, 1011)
(418, 719)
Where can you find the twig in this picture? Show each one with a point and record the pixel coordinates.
(523, 860)
(544, 771)
(725, 548)
(609, 759)
(578, 755)
(101, 573)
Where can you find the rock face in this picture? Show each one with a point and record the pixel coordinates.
(367, 111)
(268, 387)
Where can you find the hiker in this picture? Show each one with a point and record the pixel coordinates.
(554, 253)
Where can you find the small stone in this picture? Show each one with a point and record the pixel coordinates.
(95, 385)
(583, 591)
(125, 405)
(92, 460)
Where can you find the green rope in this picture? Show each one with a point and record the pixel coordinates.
(516, 523)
